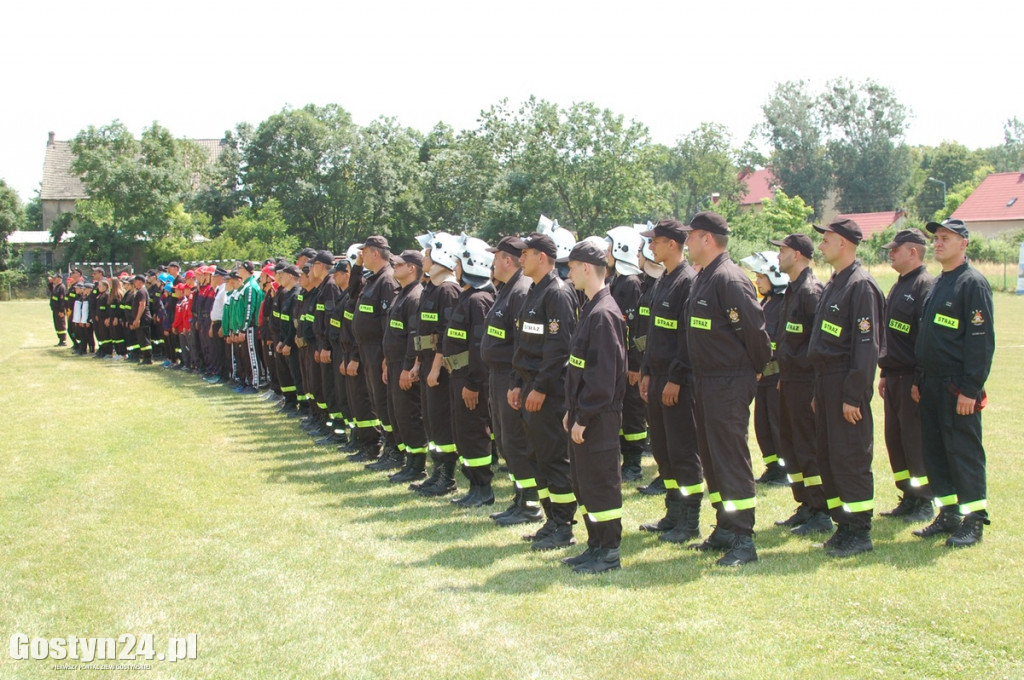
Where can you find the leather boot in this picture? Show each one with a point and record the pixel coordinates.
(673, 513)
(741, 551)
(774, 475)
(819, 523)
(602, 560)
(969, 532)
(517, 494)
(479, 495)
(687, 528)
(857, 541)
(655, 488)
(561, 537)
(527, 511)
(390, 459)
(946, 522)
(631, 470)
(413, 470)
(720, 539)
(445, 482)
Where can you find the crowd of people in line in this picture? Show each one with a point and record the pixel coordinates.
(563, 362)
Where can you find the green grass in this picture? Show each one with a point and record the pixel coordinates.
(136, 500)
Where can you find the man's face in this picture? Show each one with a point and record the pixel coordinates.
(697, 244)
(341, 279)
(787, 257)
(831, 246)
(530, 261)
(764, 285)
(902, 258)
(949, 246)
(96, 276)
(608, 257)
(661, 248)
(577, 274)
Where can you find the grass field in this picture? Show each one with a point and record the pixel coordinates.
(139, 501)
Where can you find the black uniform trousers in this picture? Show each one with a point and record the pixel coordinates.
(953, 453)
(509, 431)
(597, 480)
(634, 422)
(60, 326)
(723, 418)
(217, 351)
(673, 431)
(310, 378)
(406, 414)
(903, 436)
(844, 452)
(371, 359)
(549, 452)
(766, 419)
(364, 423)
(142, 339)
(284, 378)
(329, 405)
(798, 438)
(472, 433)
(437, 413)
(344, 413)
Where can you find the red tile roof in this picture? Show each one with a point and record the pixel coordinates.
(759, 185)
(994, 199)
(873, 223)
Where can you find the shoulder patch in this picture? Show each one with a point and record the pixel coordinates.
(553, 326)
(977, 318)
(734, 315)
(864, 324)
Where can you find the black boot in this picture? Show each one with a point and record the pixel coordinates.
(687, 528)
(922, 512)
(560, 537)
(445, 482)
(367, 451)
(969, 532)
(741, 551)
(857, 541)
(528, 510)
(655, 488)
(906, 506)
(774, 475)
(946, 522)
(390, 459)
(720, 540)
(517, 494)
(581, 558)
(631, 470)
(479, 495)
(802, 514)
(413, 470)
(819, 523)
(601, 560)
(432, 479)
(673, 513)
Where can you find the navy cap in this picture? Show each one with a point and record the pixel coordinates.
(710, 222)
(541, 243)
(513, 245)
(846, 228)
(409, 257)
(907, 236)
(590, 252)
(673, 229)
(377, 241)
(801, 243)
(324, 257)
(307, 252)
(956, 226)
(341, 265)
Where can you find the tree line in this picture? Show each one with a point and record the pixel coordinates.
(312, 176)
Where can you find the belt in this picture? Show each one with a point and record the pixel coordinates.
(456, 361)
(771, 368)
(425, 342)
(641, 342)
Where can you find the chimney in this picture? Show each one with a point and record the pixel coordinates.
(50, 143)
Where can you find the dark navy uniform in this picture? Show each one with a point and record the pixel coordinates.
(288, 373)
(767, 414)
(371, 319)
(545, 325)
(595, 386)
(728, 347)
(626, 291)
(58, 306)
(797, 437)
(405, 405)
(362, 420)
(845, 342)
(954, 350)
(898, 365)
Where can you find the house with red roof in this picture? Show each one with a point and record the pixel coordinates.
(760, 184)
(996, 206)
(874, 222)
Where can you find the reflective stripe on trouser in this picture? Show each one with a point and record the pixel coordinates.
(953, 452)
(507, 424)
(903, 436)
(597, 482)
(844, 452)
(361, 409)
(372, 358)
(406, 413)
(722, 417)
(330, 400)
(435, 403)
(633, 431)
(767, 419)
(472, 433)
(549, 449)
(797, 437)
(674, 436)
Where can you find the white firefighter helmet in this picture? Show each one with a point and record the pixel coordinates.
(651, 268)
(767, 263)
(352, 254)
(476, 261)
(563, 238)
(544, 225)
(626, 243)
(443, 249)
(424, 240)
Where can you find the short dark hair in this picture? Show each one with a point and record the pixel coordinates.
(721, 240)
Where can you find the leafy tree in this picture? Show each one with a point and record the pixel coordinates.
(796, 134)
(959, 192)
(12, 218)
(779, 216)
(1010, 156)
(34, 213)
(951, 163)
(458, 174)
(698, 166)
(869, 160)
(223, 194)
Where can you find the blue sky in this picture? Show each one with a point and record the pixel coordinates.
(201, 67)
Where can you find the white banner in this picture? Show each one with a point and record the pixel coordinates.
(1020, 271)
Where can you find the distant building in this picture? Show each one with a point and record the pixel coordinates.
(761, 184)
(35, 246)
(61, 188)
(996, 206)
(874, 222)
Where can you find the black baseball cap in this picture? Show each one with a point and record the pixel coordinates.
(907, 236)
(710, 222)
(542, 243)
(341, 265)
(324, 257)
(409, 257)
(801, 243)
(846, 228)
(956, 226)
(513, 245)
(670, 228)
(590, 252)
(306, 252)
(377, 241)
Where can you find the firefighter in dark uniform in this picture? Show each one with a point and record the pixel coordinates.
(798, 439)
(652, 271)
(305, 338)
(496, 351)
(58, 306)
(771, 284)
(326, 299)
(371, 319)
(545, 325)
(595, 389)
(141, 320)
(954, 350)
(898, 375)
(845, 342)
(400, 365)
(437, 301)
(624, 244)
(468, 374)
(69, 307)
(341, 273)
(286, 351)
(667, 386)
(364, 445)
(729, 349)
